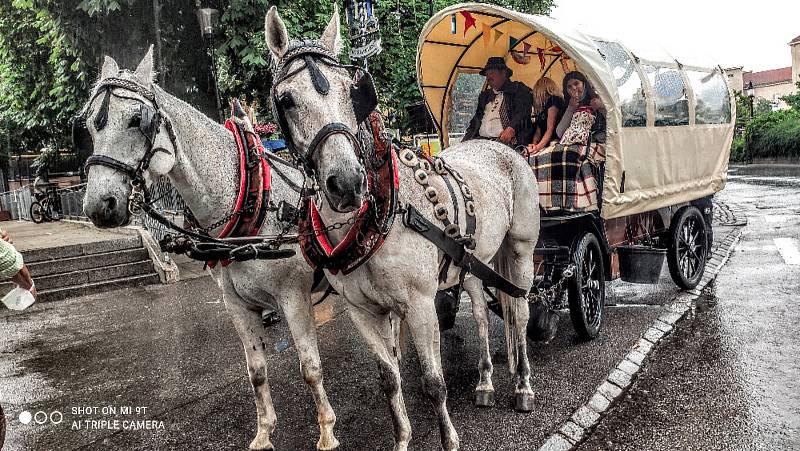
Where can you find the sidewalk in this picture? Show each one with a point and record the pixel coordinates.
(28, 236)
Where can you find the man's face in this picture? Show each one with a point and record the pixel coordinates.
(496, 78)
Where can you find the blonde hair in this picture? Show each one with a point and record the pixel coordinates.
(542, 90)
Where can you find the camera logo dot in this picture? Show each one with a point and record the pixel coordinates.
(25, 417)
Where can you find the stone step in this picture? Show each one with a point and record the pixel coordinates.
(87, 276)
(97, 287)
(77, 250)
(52, 267)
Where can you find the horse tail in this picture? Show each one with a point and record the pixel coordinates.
(511, 306)
(514, 259)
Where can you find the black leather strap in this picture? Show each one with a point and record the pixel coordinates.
(415, 221)
(104, 160)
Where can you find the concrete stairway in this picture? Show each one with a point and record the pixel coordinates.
(77, 269)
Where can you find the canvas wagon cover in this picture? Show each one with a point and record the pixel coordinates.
(647, 167)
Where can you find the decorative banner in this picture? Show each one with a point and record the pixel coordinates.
(469, 21)
(512, 42)
(487, 34)
(564, 65)
(556, 49)
(540, 52)
(497, 34)
(526, 48)
(520, 58)
(453, 24)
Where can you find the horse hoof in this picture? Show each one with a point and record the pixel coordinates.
(330, 445)
(523, 402)
(261, 444)
(484, 398)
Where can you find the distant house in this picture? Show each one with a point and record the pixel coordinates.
(770, 84)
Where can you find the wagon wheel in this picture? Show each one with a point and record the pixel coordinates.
(37, 213)
(688, 248)
(587, 289)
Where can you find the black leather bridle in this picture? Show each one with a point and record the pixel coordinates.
(362, 95)
(150, 121)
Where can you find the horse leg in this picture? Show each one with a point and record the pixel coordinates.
(484, 391)
(248, 325)
(518, 268)
(425, 332)
(377, 333)
(299, 317)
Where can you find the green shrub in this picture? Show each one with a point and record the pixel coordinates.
(773, 134)
(737, 149)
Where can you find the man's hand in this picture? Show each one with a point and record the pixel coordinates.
(532, 149)
(4, 235)
(507, 135)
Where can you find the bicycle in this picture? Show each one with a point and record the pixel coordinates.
(42, 209)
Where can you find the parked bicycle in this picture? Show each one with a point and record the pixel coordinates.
(45, 208)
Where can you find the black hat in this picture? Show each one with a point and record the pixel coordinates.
(496, 62)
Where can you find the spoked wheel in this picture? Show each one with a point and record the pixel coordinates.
(587, 288)
(688, 248)
(37, 213)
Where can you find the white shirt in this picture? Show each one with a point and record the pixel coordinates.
(491, 126)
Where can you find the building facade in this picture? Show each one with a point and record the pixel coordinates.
(771, 84)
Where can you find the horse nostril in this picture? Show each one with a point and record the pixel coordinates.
(111, 203)
(332, 185)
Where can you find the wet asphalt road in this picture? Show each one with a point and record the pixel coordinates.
(172, 351)
(729, 377)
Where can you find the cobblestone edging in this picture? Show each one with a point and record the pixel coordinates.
(585, 418)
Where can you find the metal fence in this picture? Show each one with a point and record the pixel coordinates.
(167, 201)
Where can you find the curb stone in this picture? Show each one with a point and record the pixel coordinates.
(572, 432)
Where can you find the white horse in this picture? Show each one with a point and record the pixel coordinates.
(401, 278)
(202, 162)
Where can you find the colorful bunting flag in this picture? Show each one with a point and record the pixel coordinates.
(556, 49)
(512, 42)
(469, 21)
(564, 65)
(526, 48)
(497, 34)
(520, 58)
(487, 34)
(540, 52)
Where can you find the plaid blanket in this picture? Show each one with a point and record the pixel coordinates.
(565, 178)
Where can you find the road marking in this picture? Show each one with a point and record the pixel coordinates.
(789, 250)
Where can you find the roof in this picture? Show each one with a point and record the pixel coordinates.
(768, 77)
(795, 41)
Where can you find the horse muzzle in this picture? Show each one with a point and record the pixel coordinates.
(346, 190)
(107, 211)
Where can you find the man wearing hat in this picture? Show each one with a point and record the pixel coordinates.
(504, 110)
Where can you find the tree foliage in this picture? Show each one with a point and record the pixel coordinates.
(51, 51)
(793, 100)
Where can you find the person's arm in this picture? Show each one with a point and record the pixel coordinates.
(520, 113)
(552, 114)
(24, 280)
(12, 267)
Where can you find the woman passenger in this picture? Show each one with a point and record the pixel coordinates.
(579, 93)
(548, 107)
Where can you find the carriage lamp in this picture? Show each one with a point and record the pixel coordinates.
(208, 18)
(750, 96)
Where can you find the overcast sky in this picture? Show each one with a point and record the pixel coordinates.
(755, 37)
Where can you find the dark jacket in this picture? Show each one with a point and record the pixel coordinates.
(517, 103)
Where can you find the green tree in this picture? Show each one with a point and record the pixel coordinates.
(793, 100)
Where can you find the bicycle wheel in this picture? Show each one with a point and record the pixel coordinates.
(37, 213)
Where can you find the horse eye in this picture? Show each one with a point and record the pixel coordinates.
(286, 101)
(135, 121)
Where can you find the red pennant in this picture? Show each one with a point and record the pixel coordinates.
(526, 48)
(540, 52)
(469, 21)
(556, 49)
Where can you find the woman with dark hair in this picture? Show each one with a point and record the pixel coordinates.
(578, 92)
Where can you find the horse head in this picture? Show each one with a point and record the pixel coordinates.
(127, 134)
(319, 106)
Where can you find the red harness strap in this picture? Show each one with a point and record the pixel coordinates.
(373, 220)
(255, 178)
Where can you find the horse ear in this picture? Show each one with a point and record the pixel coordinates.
(275, 33)
(332, 37)
(109, 69)
(144, 71)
